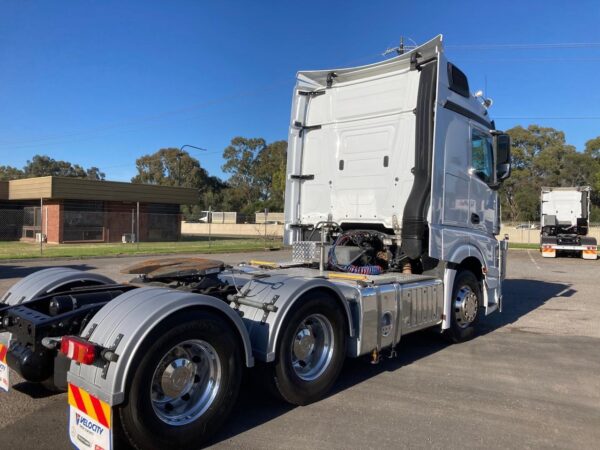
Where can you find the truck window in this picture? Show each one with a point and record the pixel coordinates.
(482, 155)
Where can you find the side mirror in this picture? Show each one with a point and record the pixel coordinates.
(502, 151)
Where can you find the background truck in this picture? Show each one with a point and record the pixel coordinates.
(565, 213)
(391, 211)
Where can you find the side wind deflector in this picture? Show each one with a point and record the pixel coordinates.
(414, 227)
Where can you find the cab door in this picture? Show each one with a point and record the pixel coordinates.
(482, 199)
(483, 211)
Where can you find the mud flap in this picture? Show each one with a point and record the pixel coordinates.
(4, 370)
(589, 254)
(548, 252)
(90, 421)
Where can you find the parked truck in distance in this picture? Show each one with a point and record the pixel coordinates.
(392, 213)
(565, 213)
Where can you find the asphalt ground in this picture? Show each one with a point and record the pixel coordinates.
(530, 379)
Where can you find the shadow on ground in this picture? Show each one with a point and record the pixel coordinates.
(34, 390)
(16, 271)
(521, 296)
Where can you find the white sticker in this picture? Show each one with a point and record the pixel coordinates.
(4, 370)
(87, 433)
(4, 382)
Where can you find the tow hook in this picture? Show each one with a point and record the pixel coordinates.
(51, 343)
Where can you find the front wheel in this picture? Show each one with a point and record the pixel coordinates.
(466, 300)
(185, 383)
(310, 352)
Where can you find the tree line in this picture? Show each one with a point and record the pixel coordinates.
(256, 176)
(540, 156)
(43, 166)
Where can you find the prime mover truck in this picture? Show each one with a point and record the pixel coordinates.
(565, 213)
(392, 213)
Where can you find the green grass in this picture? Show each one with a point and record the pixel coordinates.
(23, 250)
(521, 245)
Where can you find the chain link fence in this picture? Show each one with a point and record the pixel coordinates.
(230, 217)
(67, 227)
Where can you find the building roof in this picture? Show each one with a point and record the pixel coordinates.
(65, 188)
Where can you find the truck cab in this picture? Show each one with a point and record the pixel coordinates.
(565, 213)
(400, 147)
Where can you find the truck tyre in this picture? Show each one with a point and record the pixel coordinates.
(310, 352)
(466, 302)
(186, 380)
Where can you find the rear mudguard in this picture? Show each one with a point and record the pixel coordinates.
(48, 281)
(282, 291)
(132, 316)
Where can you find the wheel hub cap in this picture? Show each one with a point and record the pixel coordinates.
(185, 382)
(465, 306)
(304, 344)
(312, 347)
(178, 377)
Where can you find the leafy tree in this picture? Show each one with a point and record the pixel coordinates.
(241, 158)
(541, 157)
(170, 167)
(257, 171)
(592, 147)
(173, 167)
(93, 173)
(42, 165)
(10, 173)
(270, 174)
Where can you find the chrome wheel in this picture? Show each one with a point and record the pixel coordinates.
(312, 347)
(465, 306)
(185, 382)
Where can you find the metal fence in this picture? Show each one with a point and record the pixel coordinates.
(56, 225)
(230, 217)
(31, 229)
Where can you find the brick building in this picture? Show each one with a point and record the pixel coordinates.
(77, 210)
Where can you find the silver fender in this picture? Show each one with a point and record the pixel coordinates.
(449, 275)
(282, 291)
(134, 315)
(47, 281)
(458, 255)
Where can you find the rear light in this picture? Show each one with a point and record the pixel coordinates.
(78, 349)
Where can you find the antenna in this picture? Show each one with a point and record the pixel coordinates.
(401, 49)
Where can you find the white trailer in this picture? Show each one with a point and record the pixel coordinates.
(565, 213)
(392, 213)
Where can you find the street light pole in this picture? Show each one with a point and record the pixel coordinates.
(179, 159)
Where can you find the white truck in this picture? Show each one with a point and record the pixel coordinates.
(391, 211)
(565, 213)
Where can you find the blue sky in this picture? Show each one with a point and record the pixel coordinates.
(103, 82)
